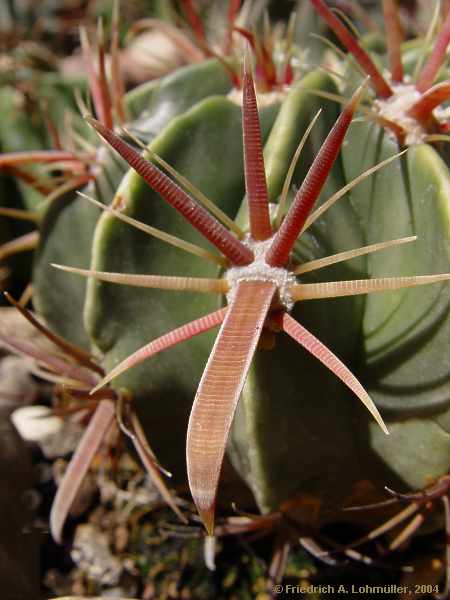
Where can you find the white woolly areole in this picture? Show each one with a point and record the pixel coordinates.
(396, 107)
(259, 270)
(264, 98)
(442, 113)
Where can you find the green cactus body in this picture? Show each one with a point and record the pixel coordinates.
(405, 333)
(297, 429)
(281, 441)
(293, 435)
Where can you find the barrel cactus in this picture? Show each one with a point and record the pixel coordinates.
(364, 210)
(404, 109)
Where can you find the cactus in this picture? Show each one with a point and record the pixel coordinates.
(415, 397)
(237, 254)
(297, 429)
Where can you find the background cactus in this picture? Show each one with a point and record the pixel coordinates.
(293, 413)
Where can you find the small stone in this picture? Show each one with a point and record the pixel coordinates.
(121, 537)
(54, 436)
(36, 423)
(92, 554)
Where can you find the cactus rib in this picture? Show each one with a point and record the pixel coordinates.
(331, 361)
